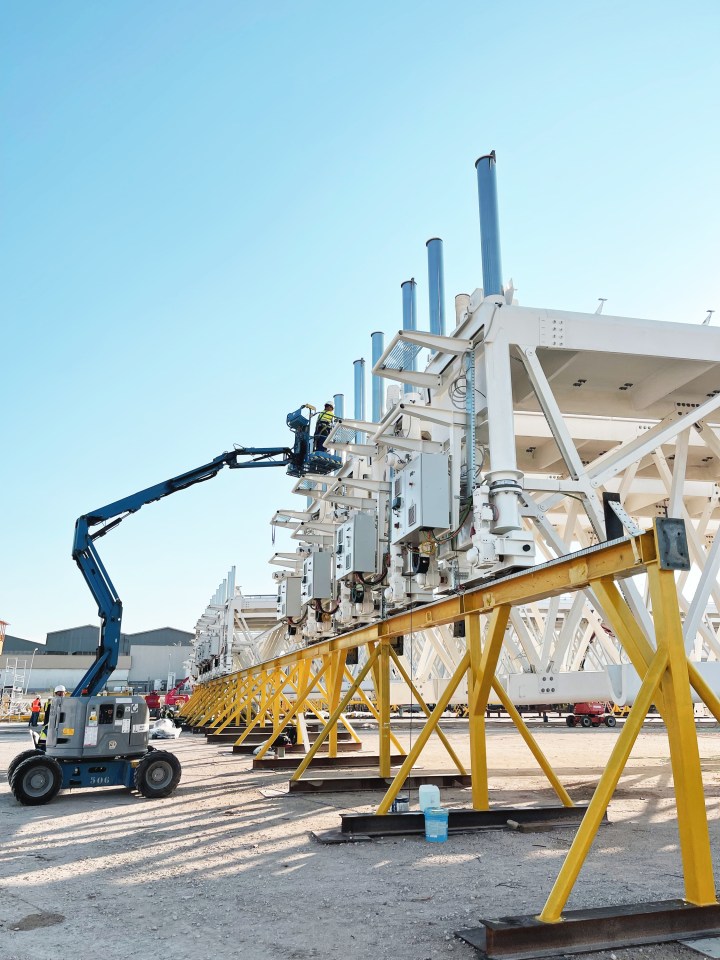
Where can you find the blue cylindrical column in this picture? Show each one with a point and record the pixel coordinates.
(378, 346)
(436, 286)
(409, 308)
(359, 366)
(339, 401)
(489, 225)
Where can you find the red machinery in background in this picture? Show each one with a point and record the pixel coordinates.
(591, 714)
(173, 697)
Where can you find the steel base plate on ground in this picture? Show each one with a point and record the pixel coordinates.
(600, 928)
(459, 821)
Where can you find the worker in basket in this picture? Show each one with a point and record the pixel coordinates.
(323, 426)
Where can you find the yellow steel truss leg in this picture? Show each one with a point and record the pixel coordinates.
(277, 676)
(384, 703)
(580, 847)
(426, 710)
(329, 689)
(532, 743)
(478, 745)
(423, 736)
(235, 703)
(299, 703)
(334, 690)
(682, 736)
(336, 714)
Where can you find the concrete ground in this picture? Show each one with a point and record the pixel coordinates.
(227, 866)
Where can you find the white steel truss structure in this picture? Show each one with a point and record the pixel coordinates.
(524, 435)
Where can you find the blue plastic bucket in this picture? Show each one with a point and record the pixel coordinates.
(436, 824)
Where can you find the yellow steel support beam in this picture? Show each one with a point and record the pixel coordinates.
(666, 674)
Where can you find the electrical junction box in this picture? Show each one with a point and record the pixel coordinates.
(289, 603)
(420, 497)
(316, 581)
(355, 546)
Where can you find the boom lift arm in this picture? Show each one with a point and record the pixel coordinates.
(107, 518)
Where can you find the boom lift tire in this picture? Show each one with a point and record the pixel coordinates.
(36, 780)
(16, 761)
(158, 774)
(586, 721)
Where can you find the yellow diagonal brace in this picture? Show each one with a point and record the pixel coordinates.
(682, 736)
(532, 743)
(580, 847)
(373, 710)
(426, 710)
(627, 630)
(478, 701)
(335, 714)
(704, 691)
(423, 736)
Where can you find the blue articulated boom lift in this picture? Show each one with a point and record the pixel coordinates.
(94, 740)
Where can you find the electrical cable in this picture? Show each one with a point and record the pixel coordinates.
(454, 533)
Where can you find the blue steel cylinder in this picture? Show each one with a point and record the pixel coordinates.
(409, 305)
(339, 401)
(436, 286)
(489, 225)
(378, 346)
(359, 366)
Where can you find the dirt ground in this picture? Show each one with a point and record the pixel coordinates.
(227, 866)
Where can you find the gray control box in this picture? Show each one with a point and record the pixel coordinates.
(317, 577)
(420, 497)
(356, 546)
(289, 603)
(82, 727)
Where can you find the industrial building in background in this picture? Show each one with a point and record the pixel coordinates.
(152, 660)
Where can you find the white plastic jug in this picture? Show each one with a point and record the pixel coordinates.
(429, 796)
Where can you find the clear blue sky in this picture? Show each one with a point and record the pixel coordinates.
(208, 206)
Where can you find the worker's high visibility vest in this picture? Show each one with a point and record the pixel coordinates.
(325, 422)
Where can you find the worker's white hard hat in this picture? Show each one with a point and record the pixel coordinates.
(60, 689)
(330, 404)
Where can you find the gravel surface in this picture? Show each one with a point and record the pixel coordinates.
(227, 866)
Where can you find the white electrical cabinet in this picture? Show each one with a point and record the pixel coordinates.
(355, 546)
(420, 497)
(317, 577)
(289, 603)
